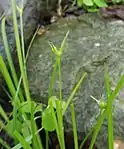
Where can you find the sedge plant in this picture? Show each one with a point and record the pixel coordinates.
(106, 111)
(14, 87)
(22, 126)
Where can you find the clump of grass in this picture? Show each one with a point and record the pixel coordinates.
(22, 126)
(19, 115)
(22, 103)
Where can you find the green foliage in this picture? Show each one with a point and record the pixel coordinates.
(74, 126)
(47, 120)
(91, 5)
(94, 5)
(22, 125)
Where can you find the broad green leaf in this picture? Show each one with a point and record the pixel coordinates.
(100, 3)
(47, 120)
(88, 2)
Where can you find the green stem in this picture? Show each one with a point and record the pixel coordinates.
(9, 57)
(18, 47)
(47, 139)
(60, 80)
(73, 92)
(52, 80)
(74, 126)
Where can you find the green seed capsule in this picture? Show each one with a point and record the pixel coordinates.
(102, 104)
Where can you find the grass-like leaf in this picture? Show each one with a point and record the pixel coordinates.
(110, 111)
(21, 139)
(4, 144)
(55, 122)
(74, 126)
(7, 77)
(19, 51)
(3, 114)
(60, 122)
(9, 57)
(35, 137)
(111, 98)
(73, 92)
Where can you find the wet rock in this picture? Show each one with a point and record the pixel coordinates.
(92, 44)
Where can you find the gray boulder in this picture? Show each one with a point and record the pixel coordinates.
(92, 43)
(6, 6)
